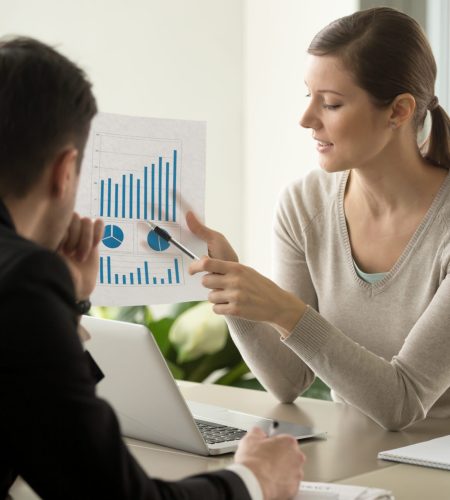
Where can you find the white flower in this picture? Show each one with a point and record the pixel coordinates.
(198, 331)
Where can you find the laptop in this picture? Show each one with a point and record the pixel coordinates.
(149, 405)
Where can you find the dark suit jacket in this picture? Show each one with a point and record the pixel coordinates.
(54, 431)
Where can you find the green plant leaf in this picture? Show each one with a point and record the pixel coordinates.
(199, 369)
(235, 374)
(177, 309)
(176, 371)
(135, 314)
(160, 330)
(317, 390)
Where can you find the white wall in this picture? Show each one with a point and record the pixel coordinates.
(438, 30)
(162, 58)
(277, 150)
(238, 64)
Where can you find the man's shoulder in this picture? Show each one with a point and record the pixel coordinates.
(23, 263)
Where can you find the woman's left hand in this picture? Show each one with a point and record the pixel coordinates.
(238, 290)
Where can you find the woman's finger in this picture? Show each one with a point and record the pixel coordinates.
(199, 229)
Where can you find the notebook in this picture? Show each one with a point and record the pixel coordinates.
(433, 453)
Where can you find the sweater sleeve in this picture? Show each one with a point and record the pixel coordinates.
(278, 369)
(55, 432)
(394, 393)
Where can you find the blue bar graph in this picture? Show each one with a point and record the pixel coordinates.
(157, 273)
(131, 196)
(146, 193)
(153, 192)
(138, 200)
(146, 272)
(102, 196)
(159, 188)
(116, 201)
(174, 187)
(177, 273)
(124, 188)
(109, 197)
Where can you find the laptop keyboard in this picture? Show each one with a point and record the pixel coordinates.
(217, 433)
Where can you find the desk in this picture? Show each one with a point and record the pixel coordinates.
(348, 454)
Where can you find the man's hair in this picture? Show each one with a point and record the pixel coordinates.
(46, 102)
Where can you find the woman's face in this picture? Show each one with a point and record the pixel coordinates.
(351, 132)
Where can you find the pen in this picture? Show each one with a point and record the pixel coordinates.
(162, 233)
(273, 428)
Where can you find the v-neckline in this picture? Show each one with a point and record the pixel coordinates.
(418, 233)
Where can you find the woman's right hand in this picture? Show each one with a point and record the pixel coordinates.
(218, 246)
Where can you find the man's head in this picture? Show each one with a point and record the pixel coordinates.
(45, 103)
(46, 106)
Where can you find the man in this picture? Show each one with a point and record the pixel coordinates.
(54, 431)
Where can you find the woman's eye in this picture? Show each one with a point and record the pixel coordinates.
(332, 106)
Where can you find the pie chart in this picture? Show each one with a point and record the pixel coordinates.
(113, 236)
(155, 242)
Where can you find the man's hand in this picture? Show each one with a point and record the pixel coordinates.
(79, 249)
(277, 462)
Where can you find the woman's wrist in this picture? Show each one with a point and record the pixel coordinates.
(289, 314)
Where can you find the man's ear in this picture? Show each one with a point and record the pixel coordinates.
(63, 169)
(402, 110)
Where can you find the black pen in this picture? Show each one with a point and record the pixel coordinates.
(162, 233)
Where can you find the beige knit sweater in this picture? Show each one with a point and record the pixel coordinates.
(384, 347)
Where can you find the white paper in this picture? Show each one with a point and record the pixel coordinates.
(331, 491)
(137, 169)
(431, 453)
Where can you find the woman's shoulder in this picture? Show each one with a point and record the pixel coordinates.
(311, 195)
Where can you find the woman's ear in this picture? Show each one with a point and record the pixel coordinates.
(402, 110)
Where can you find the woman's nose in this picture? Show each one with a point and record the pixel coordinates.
(309, 118)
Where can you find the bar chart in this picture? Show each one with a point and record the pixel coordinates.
(136, 177)
(115, 271)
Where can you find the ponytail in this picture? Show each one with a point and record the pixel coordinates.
(437, 147)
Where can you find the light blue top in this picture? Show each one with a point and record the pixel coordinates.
(368, 277)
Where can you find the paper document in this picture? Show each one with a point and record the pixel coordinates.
(136, 170)
(331, 491)
(431, 453)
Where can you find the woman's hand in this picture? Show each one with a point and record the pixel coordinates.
(79, 249)
(218, 246)
(238, 290)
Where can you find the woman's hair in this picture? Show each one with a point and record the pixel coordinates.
(389, 54)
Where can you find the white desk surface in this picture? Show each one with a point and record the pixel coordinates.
(348, 455)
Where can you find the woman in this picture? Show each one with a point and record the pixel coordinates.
(362, 247)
